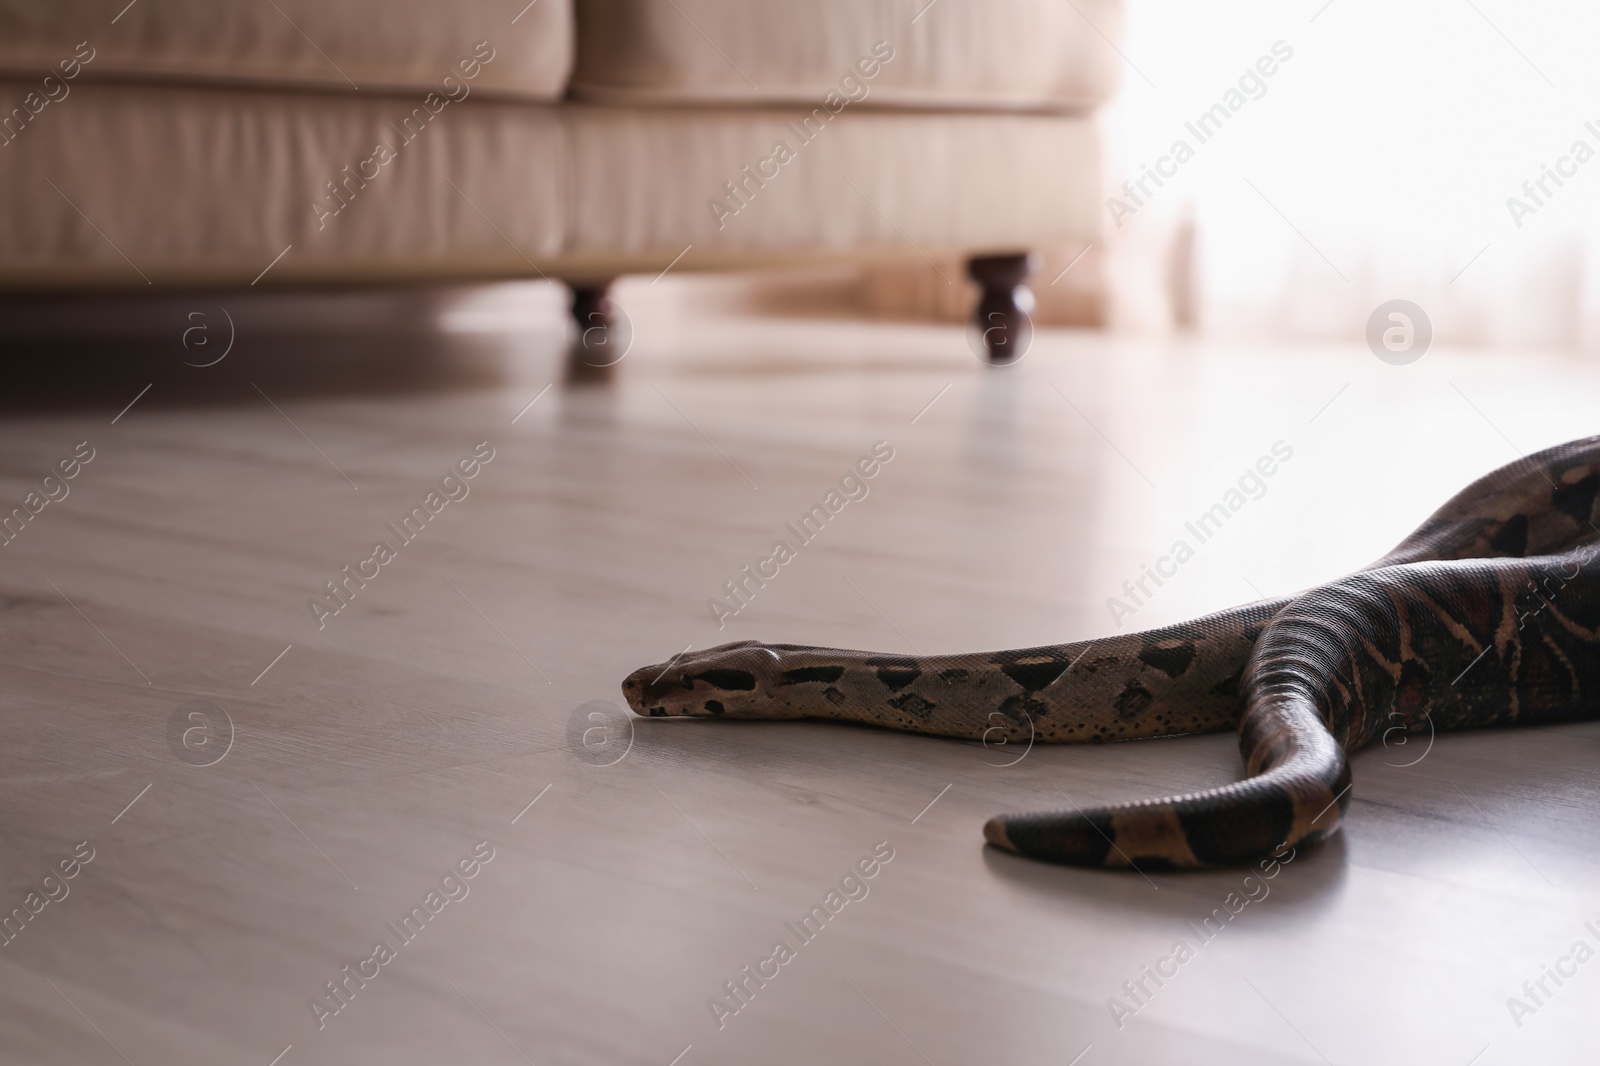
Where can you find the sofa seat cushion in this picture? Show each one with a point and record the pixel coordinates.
(234, 187)
(869, 184)
(343, 45)
(1001, 54)
(220, 187)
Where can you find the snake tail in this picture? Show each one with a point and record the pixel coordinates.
(1446, 645)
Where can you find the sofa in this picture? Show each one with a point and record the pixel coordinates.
(235, 143)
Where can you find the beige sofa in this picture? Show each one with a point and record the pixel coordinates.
(185, 143)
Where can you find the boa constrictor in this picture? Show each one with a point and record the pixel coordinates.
(1488, 614)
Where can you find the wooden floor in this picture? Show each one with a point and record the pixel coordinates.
(438, 709)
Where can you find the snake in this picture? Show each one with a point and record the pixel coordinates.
(1488, 614)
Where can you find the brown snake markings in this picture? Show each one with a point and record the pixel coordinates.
(1488, 614)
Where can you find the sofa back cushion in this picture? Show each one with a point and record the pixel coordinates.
(999, 54)
(340, 45)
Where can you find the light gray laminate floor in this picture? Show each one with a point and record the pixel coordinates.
(377, 751)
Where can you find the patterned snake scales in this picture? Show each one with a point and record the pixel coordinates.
(1488, 614)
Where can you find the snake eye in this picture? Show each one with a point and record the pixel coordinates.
(729, 680)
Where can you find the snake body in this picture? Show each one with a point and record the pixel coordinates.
(1487, 614)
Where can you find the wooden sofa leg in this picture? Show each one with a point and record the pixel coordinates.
(1002, 314)
(599, 344)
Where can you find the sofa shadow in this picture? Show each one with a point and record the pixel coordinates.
(71, 352)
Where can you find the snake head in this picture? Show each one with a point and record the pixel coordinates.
(732, 679)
